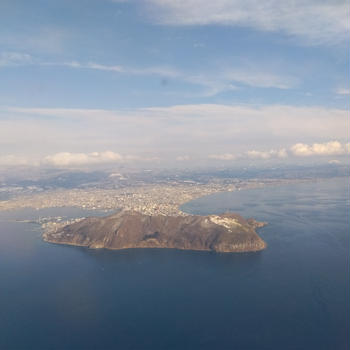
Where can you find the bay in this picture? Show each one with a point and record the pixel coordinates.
(293, 295)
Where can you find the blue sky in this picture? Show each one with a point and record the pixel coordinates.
(172, 80)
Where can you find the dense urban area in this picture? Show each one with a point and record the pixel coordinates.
(150, 192)
(151, 200)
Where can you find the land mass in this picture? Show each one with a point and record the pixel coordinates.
(227, 232)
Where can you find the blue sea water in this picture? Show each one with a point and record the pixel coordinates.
(293, 295)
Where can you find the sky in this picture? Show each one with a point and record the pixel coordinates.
(173, 82)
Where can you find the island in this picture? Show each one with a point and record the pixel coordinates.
(228, 232)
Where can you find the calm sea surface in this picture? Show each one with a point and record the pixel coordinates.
(294, 295)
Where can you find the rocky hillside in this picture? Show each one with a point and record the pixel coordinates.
(129, 229)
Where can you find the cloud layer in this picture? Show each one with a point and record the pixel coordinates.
(193, 130)
(223, 79)
(331, 148)
(15, 59)
(15, 160)
(67, 159)
(320, 149)
(73, 160)
(313, 20)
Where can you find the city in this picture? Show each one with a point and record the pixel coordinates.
(149, 199)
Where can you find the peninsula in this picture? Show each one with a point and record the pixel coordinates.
(125, 229)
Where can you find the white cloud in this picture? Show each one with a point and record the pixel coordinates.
(334, 161)
(225, 79)
(258, 154)
(15, 59)
(214, 81)
(343, 91)
(282, 153)
(252, 77)
(251, 154)
(74, 159)
(153, 70)
(39, 39)
(67, 159)
(183, 158)
(14, 160)
(314, 20)
(222, 80)
(90, 65)
(225, 156)
(319, 149)
(169, 131)
(229, 79)
(81, 159)
(347, 147)
(331, 148)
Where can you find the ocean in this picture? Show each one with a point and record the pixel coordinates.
(293, 295)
